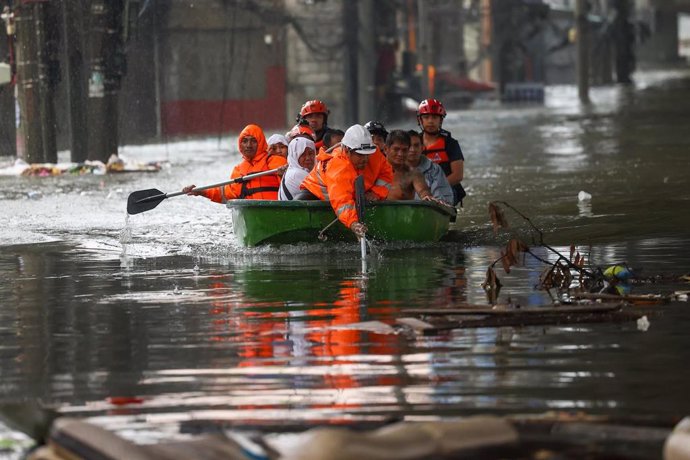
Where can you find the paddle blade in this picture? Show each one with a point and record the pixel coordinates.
(144, 200)
(359, 197)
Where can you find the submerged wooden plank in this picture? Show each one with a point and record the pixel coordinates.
(555, 319)
(595, 308)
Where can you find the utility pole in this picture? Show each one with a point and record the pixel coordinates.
(72, 25)
(8, 141)
(487, 39)
(422, 21)
(582, 37)
(351, 61)
(35, 82)
(366, 65)
(623, 37)
(106, 63)
(462, 55)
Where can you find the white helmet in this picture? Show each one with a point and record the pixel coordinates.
(357, 138)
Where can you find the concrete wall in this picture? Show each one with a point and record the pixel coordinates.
(315, 58)
(219, 69)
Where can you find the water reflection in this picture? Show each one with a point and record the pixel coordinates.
(190, 343)
(584, 208)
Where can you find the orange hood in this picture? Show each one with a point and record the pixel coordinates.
(257, 133)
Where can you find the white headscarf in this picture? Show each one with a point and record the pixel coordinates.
(295, 173)
(277, 139)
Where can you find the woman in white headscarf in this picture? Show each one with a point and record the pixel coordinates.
(277, 145)
(301, 159)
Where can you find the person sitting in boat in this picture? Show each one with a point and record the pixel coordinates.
(378, 134)
(315, 114)
(278, 145)
(254, 150)
(331, 139)
(406, 180)
(433, 174)
(301, 129)
(334, 175)
(439, 145)
(301, 159)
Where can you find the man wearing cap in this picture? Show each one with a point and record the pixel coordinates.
(333, 177)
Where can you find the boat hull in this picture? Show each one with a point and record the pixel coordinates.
(257, 222)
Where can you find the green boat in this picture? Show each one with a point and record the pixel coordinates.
(257, 222)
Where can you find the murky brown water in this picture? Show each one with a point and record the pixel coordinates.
(200, 333)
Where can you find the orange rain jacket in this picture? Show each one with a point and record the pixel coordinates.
(260, 188)
(333, 179)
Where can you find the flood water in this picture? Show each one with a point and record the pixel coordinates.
(167, 314)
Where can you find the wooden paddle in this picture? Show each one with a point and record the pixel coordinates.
(359, 204)
(145, 200)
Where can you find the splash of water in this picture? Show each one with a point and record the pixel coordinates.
(125, 237)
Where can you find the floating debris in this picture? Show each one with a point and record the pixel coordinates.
(642, 324)
(583, 196)
(114, 165)
(573, 277)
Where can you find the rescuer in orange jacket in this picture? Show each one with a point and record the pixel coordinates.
(254, 150)
(334, 175)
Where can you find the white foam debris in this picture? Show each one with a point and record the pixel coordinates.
(583, 196)
(643, 324)
(681, 296)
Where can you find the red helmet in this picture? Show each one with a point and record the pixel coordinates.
(315, 106)
(431, 106)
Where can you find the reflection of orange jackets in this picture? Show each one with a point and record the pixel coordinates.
(333, 179)
(260, 188)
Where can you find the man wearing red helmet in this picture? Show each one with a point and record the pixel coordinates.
(315, 113)
(439, 145)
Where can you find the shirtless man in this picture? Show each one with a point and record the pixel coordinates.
(406, 180)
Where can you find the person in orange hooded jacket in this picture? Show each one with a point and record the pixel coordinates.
(334, 175)
(254, 150)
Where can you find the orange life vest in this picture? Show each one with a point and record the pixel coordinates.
(436, 152)
(443, 151)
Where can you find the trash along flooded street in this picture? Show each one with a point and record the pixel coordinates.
(159, 326)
